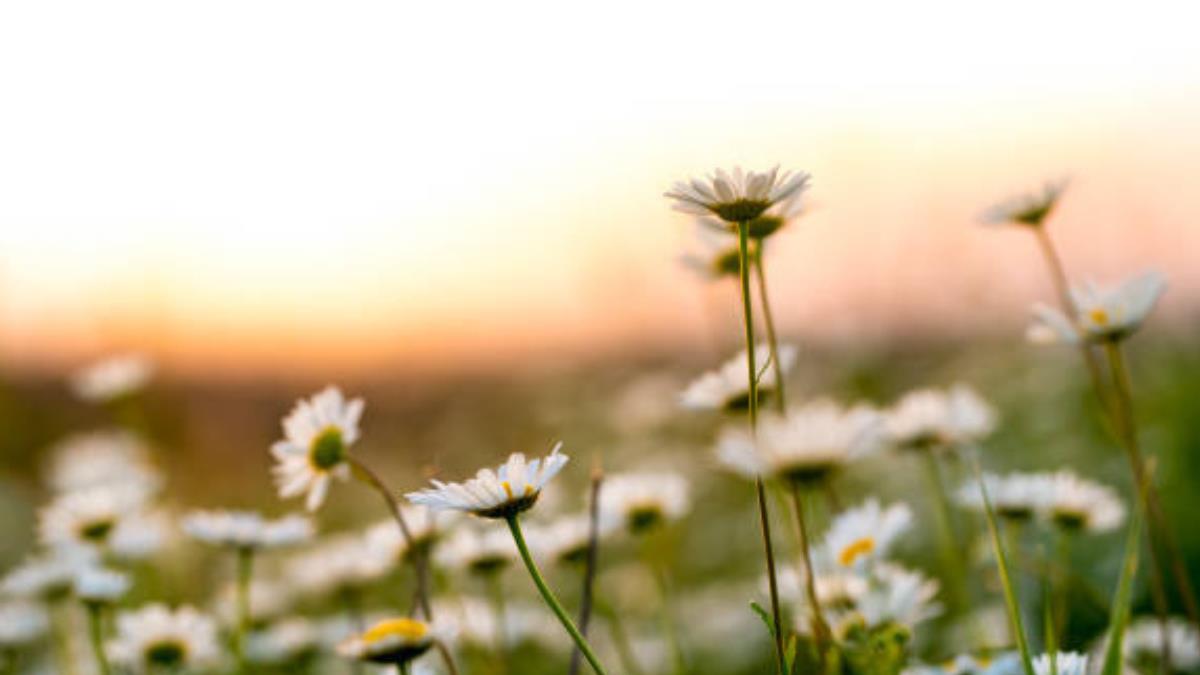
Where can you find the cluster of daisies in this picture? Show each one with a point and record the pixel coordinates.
(586, 568)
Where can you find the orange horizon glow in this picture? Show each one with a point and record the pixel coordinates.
(302, 188)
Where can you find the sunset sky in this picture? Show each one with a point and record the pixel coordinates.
(302, 185)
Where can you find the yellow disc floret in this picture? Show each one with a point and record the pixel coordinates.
(409, 630)
(857, 548)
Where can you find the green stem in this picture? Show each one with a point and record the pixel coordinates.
(764, 519)
(64, 651)
(620, 639)
(96, 634)
(670, 630)
(769, 321)
(492, 579)
(245, 570)
(514, 526)
(1062, 614)
(951, 559)
(820, 628)
(590, 563)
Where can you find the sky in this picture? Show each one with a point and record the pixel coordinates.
(298, 186)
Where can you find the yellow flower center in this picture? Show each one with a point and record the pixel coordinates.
(327, 449)
(1098, 316)
(858, 548)
(406, 629)
(509, 491)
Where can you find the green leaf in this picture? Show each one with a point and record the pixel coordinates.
(1010, 596)
(766, 618)
(789, 654)
(1118, 618)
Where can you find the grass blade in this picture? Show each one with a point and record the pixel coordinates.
(1118, 618)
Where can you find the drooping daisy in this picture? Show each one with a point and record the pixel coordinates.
(290, 642)
(394, 641)
(1065, 663)
(1074, 503)
(862, 535)
(936, 419)
(503, 493)
(247, 530)
(1016, 497)
(101, 458)
(477, 550)
(640, 502)
(156, 638)
(898, 595)
(88, 518)
(1101, 313)
(739, 196)
(1142, 646)
(318, 434)
(21, 623)
(100, 586)
(1030, 209)
(728, 387)
(805, 446)
(112, 378)
(339, 563)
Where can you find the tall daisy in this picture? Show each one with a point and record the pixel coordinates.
(1101, 314)
(112, 378)
(736, 196)
(939, 419)
(1030, 209)
(318, 434)
(727, 388)
(1074, 504)
(865, 534)
(640, 502)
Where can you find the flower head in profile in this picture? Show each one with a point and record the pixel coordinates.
(936, 419)
(1064, 663)
(641, 502)
(1075, 503)
(159, 639)
(1016, 497)
(112, 378)
(477, 550)
(100, 586)
(1030, 210)
(1102, 313)
(21, 622)
(738, 196)
(247, 530)
(512, 488)
(566, 539)
(727, 388)
(339, 563)
(425, 526)
(805, 446)
(864, 534)
(393, 641)
(717, 257)
(291, 641)
(774, 219)
(318, 434)
(899, 595)
(48, 577)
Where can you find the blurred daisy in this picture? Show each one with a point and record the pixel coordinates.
(139, 535)
(88, 517)
(836, 591)
(1074, 503)
(47, 578)
(339, 563)
(1015, 497)
(771, 221)
(392, 641)
(1142, 646)
(566, 539)
(477, 550)
(247, 530)
(112, 378)
(102, 458)
(898, 595)
(287, 642)
(640, 502)
(862, 535)
(728, 389)
(715, 258)
(474, 621)
(318, 434)
(804, 447)
(503, 493)
(739, 196)
(100, 586)
(1065, 663)
(157, 639)
(1027, 209)
(21, 623)
(1008, 663)
(269, 600)
(424, 524)
(1102, 313)
(936, 419)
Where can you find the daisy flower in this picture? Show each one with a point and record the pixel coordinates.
(89, 517)
(247, 530)
(477, 550)
(716, 257)
(49, 577)
(738, 196)
(394, 641)
(804, 447)
(318, 434)
(1142, 646)
(862, 535)
(474, 621)
(728, 389)
(102, 458)
(99, 586)
(1028, 209)
(1074, 503)
(425, 525)
(288, 641)
(1101, 313)
(512, 488)
(566, 540)
(269, 600)
(640, 502)
(1017, 497)
(156, 638)
(898, 595)
(339, 563)
(1065, 663)
(931, 418)
(771, 221)
(21, 623)
(112, 378)
(1008, 663)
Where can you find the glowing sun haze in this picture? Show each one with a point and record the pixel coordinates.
(302, 184)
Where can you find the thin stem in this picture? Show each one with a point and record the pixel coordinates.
(95, 613)
(764, 519)
(64, 651)
(245, 570)
(769, 321)
(492, 579)
(820, 628)
(514, 526)
(951, 558)
(1063, 581)
(589, 565)
(616, 630)
(669, 628)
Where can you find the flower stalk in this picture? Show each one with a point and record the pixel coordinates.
(590, 563)
(820, 627)
(95, 614)
(769, 321)
(245, 570)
